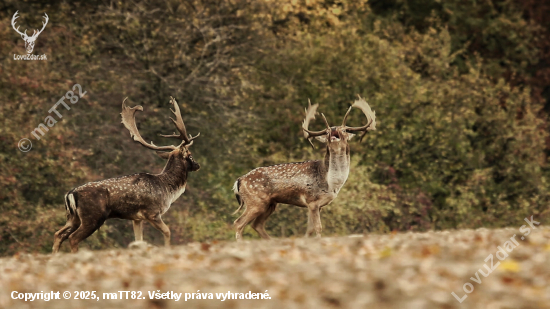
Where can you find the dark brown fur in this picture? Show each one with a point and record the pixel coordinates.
(135, 197)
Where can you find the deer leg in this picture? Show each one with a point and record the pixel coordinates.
(64, 233)
(138, 230)
(317, 222)
(61, 235)
(309, 230)
(84, 231)
(314, 221)
(259, 223)
(159, 225)
(253, 210)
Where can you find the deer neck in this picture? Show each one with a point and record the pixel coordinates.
(336, 163)
(174, 174)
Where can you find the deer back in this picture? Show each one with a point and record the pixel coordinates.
(289, 183)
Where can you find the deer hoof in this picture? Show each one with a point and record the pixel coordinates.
(140, 244)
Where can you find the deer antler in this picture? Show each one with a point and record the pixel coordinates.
(44, 23)
(180, 126)
(129, 121)
(13, 24)
(310, 114)
(35, 34)
(371, 118)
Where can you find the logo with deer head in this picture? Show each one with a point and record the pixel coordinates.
(29, 40)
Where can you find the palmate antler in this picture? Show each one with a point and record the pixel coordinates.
(310, 114)
(129, 121)
(360, 104)
(179, 125)
(369, 113)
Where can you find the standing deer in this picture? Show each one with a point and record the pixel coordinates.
(310, 184)
(135, 197)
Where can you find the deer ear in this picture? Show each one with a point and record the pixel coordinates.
(350, 136)
(322, 138)
(164, 155)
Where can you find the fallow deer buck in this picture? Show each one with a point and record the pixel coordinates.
(135, 197)
(310, 184)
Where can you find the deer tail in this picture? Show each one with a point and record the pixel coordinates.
(236, 188)
(70, 204)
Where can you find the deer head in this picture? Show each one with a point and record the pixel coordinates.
(29, 40)
(336, 136)
(181, 151)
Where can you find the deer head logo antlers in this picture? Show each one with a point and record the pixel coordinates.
(29, 40)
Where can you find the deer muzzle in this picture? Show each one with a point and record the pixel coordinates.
(29, 46)
(194, 165)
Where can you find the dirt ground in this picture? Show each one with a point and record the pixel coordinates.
(400, 270)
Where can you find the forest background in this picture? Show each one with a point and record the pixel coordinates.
(461, 91)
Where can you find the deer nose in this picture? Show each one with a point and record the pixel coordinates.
(334, 135)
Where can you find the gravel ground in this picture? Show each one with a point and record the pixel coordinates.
(400, 270)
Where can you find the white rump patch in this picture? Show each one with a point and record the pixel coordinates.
(236, 187)
(72, 203)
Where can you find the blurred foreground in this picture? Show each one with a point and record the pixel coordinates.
(402, 270)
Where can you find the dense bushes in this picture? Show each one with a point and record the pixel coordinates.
(461, 130)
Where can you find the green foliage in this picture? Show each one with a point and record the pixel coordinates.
(460, 143)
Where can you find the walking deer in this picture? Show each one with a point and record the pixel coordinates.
(135, 197)
(310, 184)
